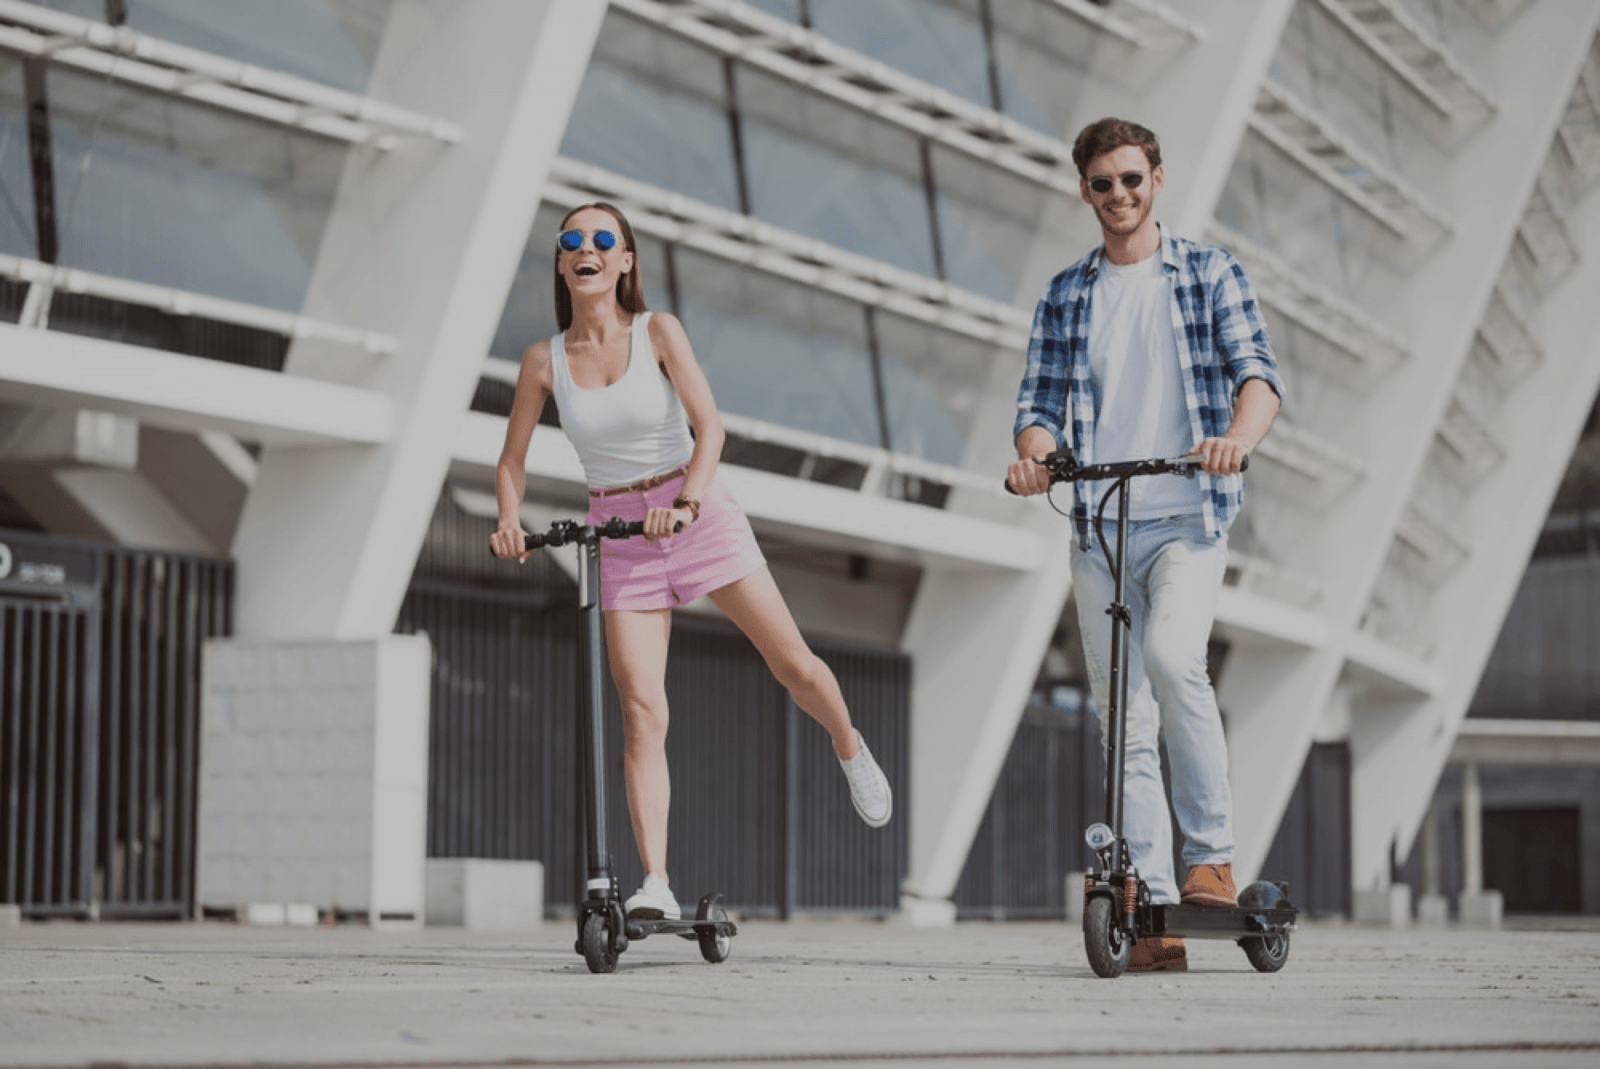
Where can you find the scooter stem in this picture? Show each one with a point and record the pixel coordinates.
(591, 715)
(1121, 622)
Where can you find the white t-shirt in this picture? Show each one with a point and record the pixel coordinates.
(1142, 411)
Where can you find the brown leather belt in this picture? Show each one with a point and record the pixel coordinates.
(642, 485)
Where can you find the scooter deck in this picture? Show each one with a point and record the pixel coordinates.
(688, 927)
(1216, 922)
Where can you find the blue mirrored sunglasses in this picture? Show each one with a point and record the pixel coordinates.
(572, 240)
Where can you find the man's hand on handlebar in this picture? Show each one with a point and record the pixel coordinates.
(510, 542)
(1223, 456)
(1028, 476)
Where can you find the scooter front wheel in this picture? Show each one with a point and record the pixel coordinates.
(598, 951)
(1104, 942)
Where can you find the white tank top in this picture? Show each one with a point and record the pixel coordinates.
(628, 431)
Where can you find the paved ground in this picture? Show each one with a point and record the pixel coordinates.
(808, 992)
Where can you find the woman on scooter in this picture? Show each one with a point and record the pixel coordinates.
(629, 390)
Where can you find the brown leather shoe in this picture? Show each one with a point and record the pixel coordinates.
(1210, 885)
(1158, 954)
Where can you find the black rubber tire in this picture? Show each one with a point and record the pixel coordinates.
(1107, 948)
(1268, 953)
(598, 952)
(713, 947)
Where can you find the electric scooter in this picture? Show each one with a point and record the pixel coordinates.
(603, 930)
(1117, 911)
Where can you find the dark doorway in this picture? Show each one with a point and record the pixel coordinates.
(1532, 857)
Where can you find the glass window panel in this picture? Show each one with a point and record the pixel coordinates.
(654, 108)
(18, 233)
(989, 221)
(94, 10)
(530, 312)
(333, 42)
(157, 189)
(933, 381)
(784, 9)
(1272, 201)
(777, 351)
(829, 172)
(1360, 96)
(940, 43)
(1044, 56)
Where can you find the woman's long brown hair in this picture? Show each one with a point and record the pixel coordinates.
(630, 287)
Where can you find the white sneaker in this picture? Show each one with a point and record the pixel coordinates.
(653, 900)
(869, 787)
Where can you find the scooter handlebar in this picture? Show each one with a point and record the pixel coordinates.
(1063, 467)
(565, 532)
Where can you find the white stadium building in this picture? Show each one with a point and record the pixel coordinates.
(266, 271)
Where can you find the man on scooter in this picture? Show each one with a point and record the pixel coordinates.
(1153, 346)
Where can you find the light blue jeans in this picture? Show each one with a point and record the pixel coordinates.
(1174, 575)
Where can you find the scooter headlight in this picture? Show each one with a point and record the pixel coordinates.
(1098, 837)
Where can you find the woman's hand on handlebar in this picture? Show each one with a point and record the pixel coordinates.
(1028, 476)
(1223, 456)
(510, 542)
(663, 523)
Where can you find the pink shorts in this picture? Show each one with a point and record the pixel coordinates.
(717, 549)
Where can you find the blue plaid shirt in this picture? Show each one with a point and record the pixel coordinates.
(1222, 343)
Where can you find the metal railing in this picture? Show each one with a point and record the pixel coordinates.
(99, 723)
(760, 810)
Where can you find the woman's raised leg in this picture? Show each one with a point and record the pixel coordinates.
(756, 606)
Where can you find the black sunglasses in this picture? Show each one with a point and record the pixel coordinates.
(1130, 180)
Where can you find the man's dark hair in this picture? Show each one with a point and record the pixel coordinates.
(1108, 135)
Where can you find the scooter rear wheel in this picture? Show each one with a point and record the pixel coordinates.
(1103, 941)
(598, 951)
(713, 947)
(1268, 953)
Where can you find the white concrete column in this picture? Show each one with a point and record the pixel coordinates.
(1471, 831)
(1487, 185)
(1538, 420)
(422, 244)
(1480, 907)
(313, 791)
(1433, 909)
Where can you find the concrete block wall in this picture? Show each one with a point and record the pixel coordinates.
(313, 776)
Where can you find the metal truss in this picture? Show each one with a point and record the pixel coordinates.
(1296, 129)
(1335, 320)
(1419, 60)
(1468, 442)
(880, 465)
(164, 67)
(44, 280)
(798, 55)
(1319, 471)
(1579, 132)
(740, 239)
(1506, 334)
